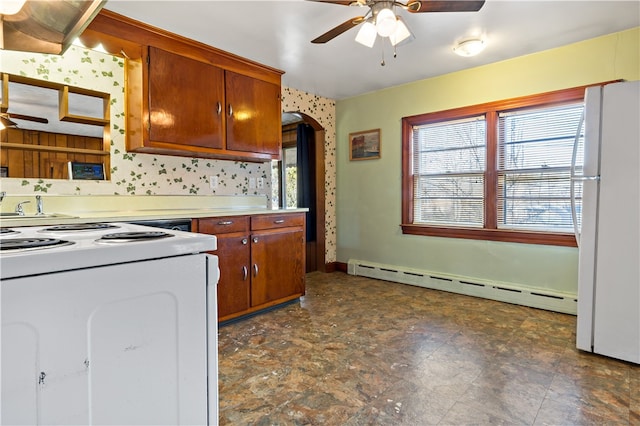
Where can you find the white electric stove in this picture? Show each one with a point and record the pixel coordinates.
(44, 249)
(109, 323)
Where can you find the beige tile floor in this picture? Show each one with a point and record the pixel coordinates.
(357, 351)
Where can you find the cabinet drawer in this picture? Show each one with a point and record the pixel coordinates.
(269, 221)
(223, 225)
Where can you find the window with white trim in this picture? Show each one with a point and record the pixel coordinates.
(497, 171)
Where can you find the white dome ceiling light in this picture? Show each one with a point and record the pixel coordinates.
(470, 47)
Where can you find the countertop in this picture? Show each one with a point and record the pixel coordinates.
(89, 209)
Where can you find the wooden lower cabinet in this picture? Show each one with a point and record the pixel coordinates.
(261, 258)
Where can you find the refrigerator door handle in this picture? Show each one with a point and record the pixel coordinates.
(574, 178)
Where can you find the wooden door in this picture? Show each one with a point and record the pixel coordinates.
(234, 285)
(253, 114)
(186, 99)
(277, 262)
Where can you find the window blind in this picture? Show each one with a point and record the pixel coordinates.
(449, 161)
(534, 164)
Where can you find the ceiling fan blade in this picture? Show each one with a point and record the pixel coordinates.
(334, 32)
(444, 6)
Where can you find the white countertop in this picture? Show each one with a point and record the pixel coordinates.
(87, 209)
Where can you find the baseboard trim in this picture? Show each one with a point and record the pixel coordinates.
(495, 290)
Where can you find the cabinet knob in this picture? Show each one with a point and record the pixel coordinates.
(230, 110)
(244, 241)
(245, 273)
(255, 239)
(219, 108)
(255, 269)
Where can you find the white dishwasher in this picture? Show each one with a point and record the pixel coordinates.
(107, 326)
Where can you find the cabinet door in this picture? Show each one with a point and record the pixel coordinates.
(277, 262)
(234, 284)
(254, 117)
(186, 98)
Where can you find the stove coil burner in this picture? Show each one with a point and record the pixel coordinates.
(8, 231)
(18, 244)
(127, 237)
(80, 227)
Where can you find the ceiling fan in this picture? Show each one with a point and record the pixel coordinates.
(381, 19)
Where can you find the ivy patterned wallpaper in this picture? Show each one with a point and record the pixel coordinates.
(148, 174)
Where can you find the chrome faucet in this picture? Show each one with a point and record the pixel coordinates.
(39, 205)
(19, 208)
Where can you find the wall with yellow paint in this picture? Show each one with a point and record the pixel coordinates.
(368, 192)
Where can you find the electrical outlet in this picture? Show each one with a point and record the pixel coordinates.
(213, 182)
(260, 182)
(252, 183)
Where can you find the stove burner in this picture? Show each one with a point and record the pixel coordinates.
(8, 231)
(80, 227)
(17, 244)
(125, 237)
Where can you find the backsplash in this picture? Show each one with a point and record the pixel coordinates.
(131, 174)
(150, 174)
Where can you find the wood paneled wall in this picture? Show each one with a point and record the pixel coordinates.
(45, 154)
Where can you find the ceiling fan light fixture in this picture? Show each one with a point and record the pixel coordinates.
(11, 7)
(386, 22)
(367, 34)
(400, 34)
(469, 47)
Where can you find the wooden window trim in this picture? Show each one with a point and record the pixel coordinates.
(490, 110)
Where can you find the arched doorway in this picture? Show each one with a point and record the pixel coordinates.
(315, 250)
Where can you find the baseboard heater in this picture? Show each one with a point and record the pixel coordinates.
(504, 292)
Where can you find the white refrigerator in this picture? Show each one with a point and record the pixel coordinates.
(608, 321)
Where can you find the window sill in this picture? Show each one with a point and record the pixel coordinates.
(508, 236)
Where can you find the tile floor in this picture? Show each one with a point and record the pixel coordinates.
(358, 351)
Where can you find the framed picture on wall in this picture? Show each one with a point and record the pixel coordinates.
(364, 145)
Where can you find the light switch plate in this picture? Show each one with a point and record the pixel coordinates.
(213, 182)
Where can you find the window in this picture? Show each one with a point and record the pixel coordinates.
(497, 171)
(284, 178)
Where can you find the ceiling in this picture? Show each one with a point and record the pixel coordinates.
(278, 34)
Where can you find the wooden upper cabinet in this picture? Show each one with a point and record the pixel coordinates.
(186, 99)
(254, 121)
(190, 99)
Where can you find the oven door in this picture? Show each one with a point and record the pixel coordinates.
(118, 344)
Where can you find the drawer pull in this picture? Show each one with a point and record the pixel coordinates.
(278, 221)
(225, 222)
(245, 273)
